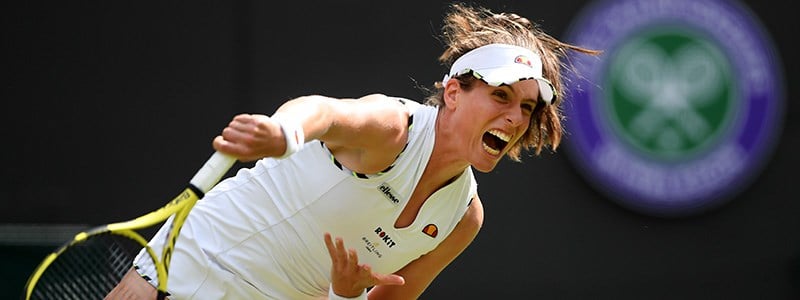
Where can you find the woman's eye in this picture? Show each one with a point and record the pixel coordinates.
(527, 107)
(500, 94)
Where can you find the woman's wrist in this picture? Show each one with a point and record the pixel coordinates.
(293, 135)
(334, 296)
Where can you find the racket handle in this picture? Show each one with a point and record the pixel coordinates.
(212, 171)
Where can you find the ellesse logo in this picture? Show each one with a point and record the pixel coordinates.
(522, 59)
(431, 230)
(387, 191)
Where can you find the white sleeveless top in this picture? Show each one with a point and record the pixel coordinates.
(259, 234)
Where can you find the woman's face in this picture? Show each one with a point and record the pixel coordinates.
(494, 119)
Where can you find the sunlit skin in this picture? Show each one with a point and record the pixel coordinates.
(469, 114)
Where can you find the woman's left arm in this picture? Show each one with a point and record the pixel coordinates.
(421, 272)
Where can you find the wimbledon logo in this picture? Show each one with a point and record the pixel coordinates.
(681, 110)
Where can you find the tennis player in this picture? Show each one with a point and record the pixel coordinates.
(370, 197)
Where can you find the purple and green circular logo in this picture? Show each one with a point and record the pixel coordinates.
(681, 110)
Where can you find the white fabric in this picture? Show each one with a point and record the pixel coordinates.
(334, 296)
(259, 234)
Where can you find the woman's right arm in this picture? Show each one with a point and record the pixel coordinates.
(354, 128)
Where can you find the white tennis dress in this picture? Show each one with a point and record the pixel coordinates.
(259, 234)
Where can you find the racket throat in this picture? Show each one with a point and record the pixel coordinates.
(162, 295)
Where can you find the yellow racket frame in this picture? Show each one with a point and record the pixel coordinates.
(211, 172)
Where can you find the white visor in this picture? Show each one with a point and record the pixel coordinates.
(498, 64)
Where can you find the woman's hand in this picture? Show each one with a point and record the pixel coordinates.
(348, 277)
(250, 137)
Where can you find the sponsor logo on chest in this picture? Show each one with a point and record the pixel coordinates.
(384, 237)
(387, 191)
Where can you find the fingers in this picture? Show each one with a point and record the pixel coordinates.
(249, 137)
(345, 277)
(329, 244)
(254, 124)
(352, 255)
(384, 279)
(238, 150)
(244, 128)
(336, 252)
(344, 260)
(390, 279)
(348, 277)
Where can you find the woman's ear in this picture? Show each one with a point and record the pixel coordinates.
(451, 90)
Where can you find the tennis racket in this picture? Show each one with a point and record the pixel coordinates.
(93, 263)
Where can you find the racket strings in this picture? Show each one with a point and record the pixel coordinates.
(89, 269)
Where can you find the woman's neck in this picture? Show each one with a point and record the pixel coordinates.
(446, 161)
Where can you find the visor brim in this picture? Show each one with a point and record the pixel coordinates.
(498, 77)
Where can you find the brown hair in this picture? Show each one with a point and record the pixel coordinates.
(466, 28)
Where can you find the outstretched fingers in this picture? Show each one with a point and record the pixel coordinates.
(337, 251)
(384, 279)
(348, 277)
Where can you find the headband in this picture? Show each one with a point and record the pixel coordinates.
(499, 64)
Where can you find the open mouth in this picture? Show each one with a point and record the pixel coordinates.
(494, 141)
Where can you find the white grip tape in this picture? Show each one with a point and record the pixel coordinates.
(212, 171)
(293, 134)
(334, 296)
